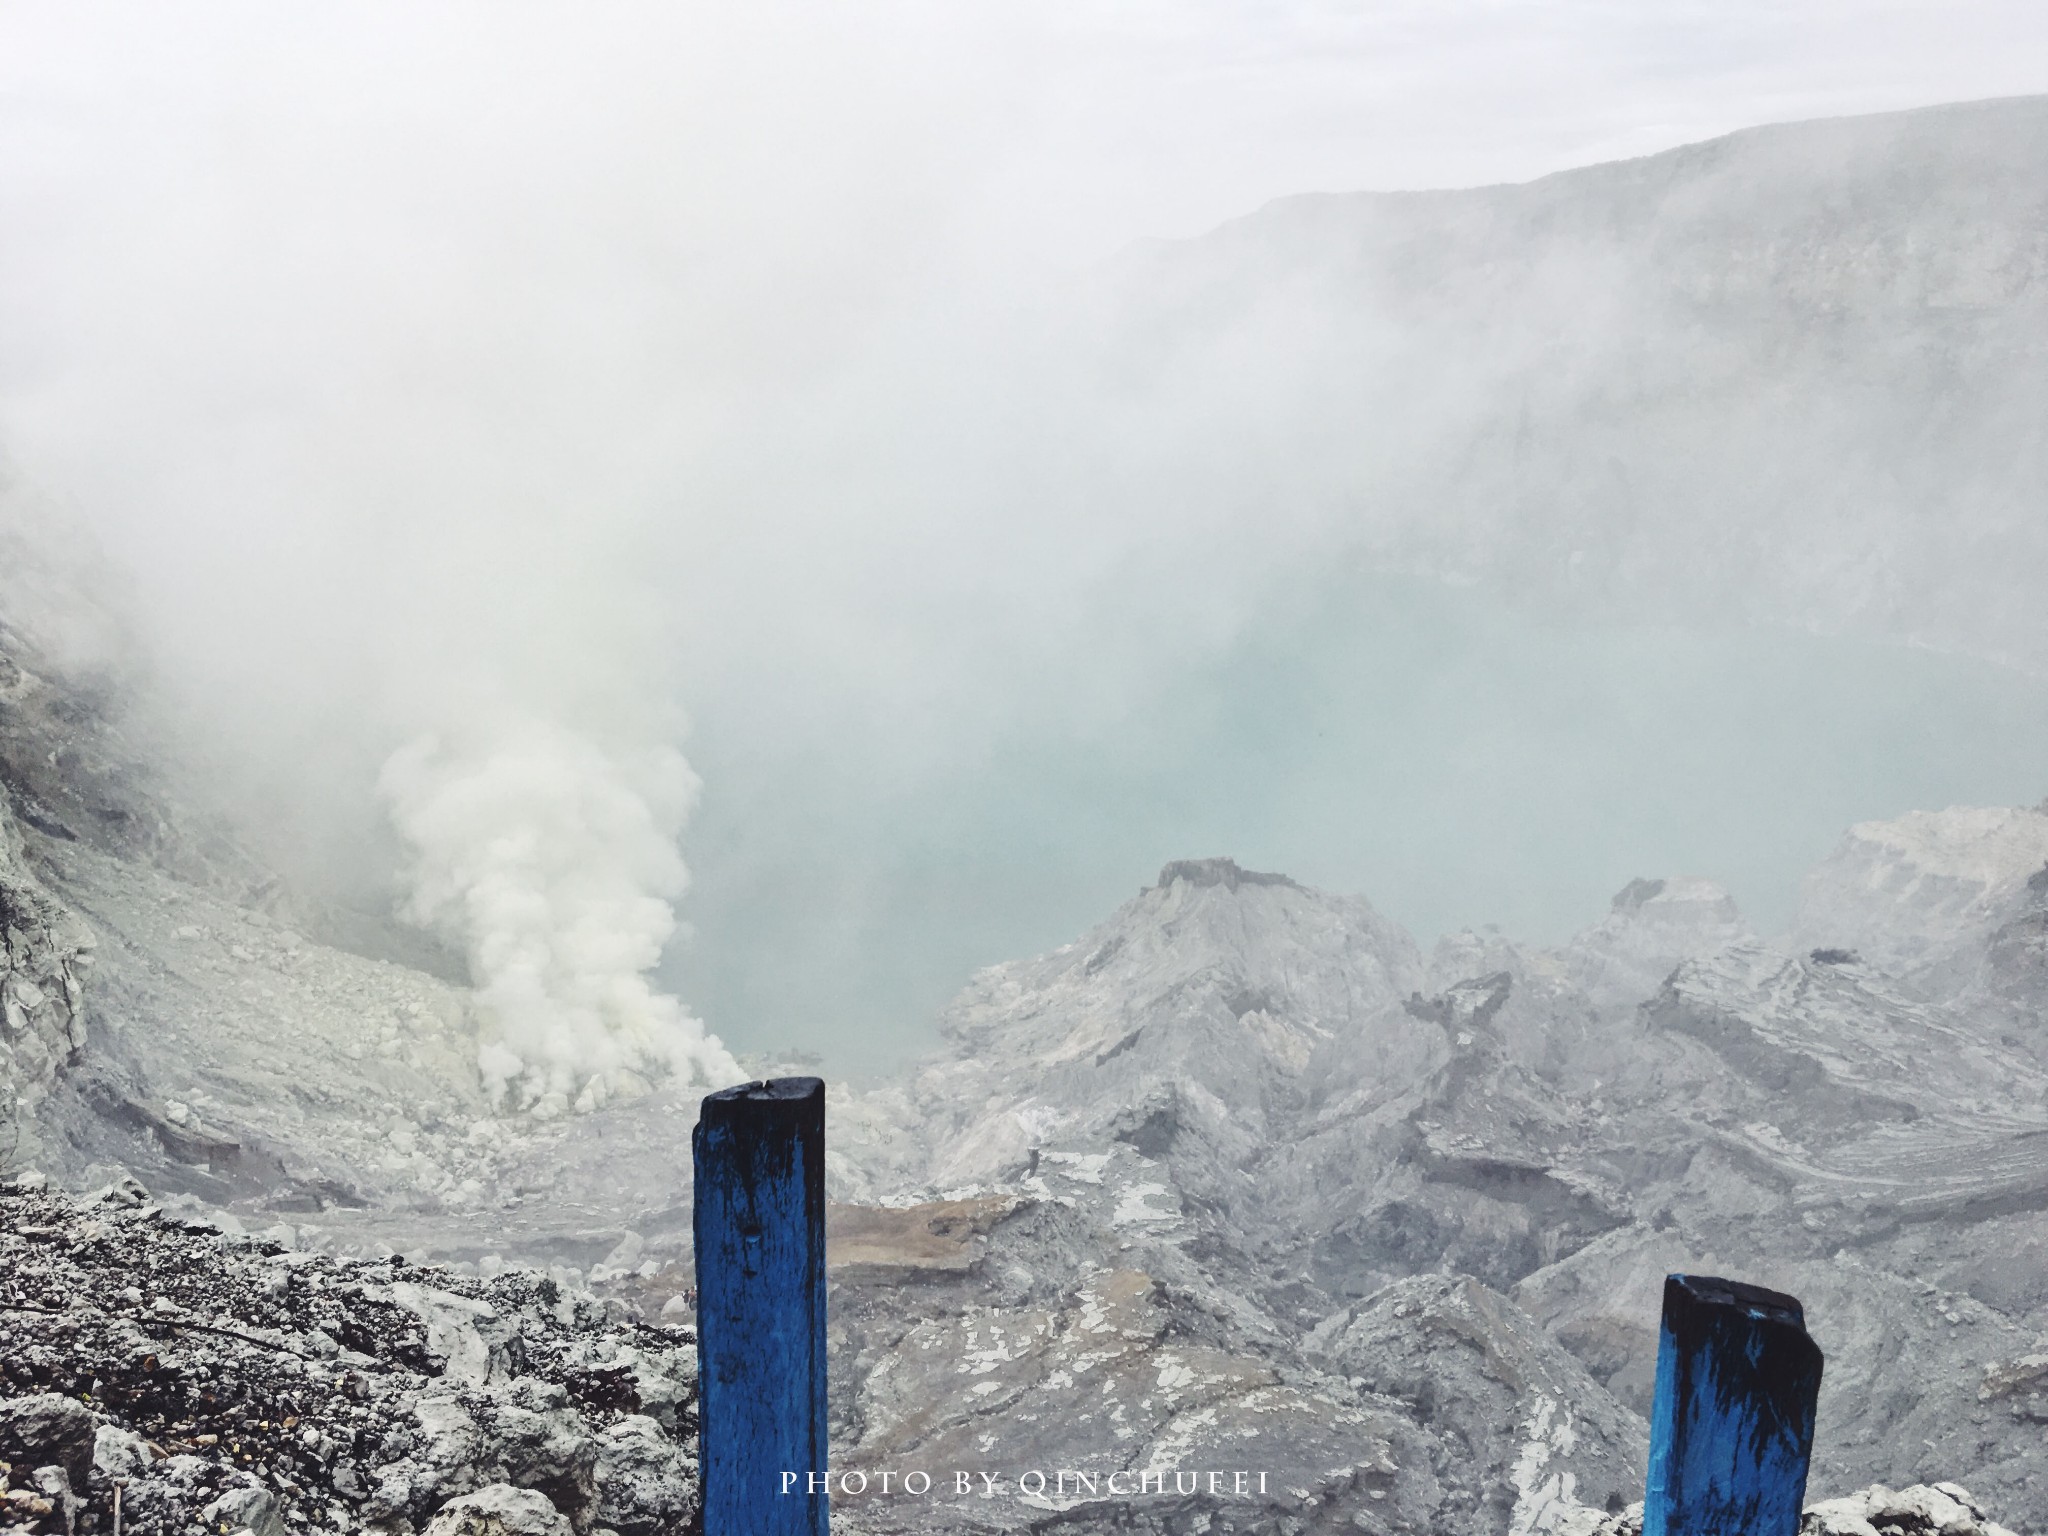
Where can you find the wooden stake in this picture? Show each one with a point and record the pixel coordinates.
(1731, 1420)
(760, 1228)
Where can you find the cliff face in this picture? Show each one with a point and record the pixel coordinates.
(53, 689)
(48, 950)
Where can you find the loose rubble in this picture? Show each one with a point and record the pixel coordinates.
(229, 1382)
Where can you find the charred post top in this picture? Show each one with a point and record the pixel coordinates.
(770, 1090)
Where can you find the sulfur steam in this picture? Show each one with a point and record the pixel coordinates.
(552, 862)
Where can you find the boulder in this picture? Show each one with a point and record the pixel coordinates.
(499, 1509)
(250, 1508)
(49, 1430)
(1939, 1509)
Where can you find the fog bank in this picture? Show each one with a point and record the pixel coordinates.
(777, 397)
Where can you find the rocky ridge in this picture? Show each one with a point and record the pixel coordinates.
(1325, 1157)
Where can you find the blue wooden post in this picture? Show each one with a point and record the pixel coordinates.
(760, 1225)
(1731, 1420)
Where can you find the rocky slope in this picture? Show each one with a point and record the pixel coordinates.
(221, 1382)
(1446, 1200)
(173, 1010)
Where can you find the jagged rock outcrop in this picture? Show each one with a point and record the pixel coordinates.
(499, 1509)
(1188, 1026)
(1653, 925)
(1939, 1509)
(1919, 896)
(48, 1429)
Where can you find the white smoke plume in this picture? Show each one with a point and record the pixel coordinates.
(553, 863)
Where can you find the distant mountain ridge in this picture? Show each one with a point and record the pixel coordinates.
(1795, 375)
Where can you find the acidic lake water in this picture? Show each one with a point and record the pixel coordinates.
(1455, 761)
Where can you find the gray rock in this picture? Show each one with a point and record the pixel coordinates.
(49, 1430)
(59, 1498)
(1943, 1509)
(499, 1509)
(118, 1453)
(252, 1508)
(646, 1483)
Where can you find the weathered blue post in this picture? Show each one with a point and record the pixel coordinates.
(1731, 1420)
(760, 1225)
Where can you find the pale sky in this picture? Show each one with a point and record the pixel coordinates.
(243, 226)
(1067, 128)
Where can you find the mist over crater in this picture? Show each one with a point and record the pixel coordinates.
(1337, 795)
